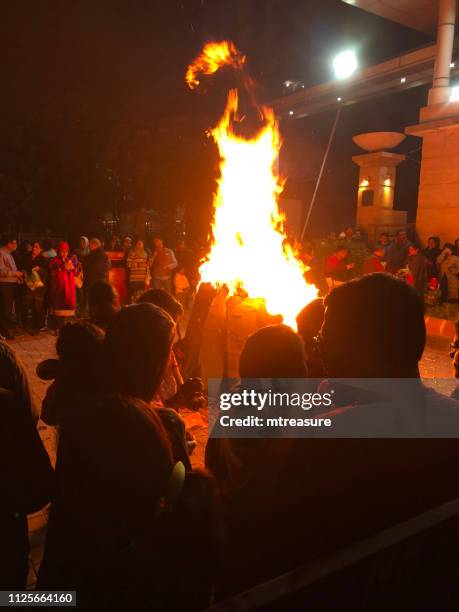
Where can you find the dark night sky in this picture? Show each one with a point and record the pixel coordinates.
(96, 87)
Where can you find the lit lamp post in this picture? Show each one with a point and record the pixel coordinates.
(344, 66)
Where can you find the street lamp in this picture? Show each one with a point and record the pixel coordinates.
(344, 64)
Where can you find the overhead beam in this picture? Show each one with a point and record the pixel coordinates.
(418, 15)
(415, 67)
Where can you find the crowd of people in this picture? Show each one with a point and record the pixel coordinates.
(127, 510)
(42, 286)
(132, 526)
(432, 270)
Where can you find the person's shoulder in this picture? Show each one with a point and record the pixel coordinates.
(109, 412)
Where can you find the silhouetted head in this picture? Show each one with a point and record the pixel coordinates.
(48, 244)
(310, 320)
(94, 244)
(26, 246)
(137, 350)
(83, 243)
(158, 243)
(103, 302)
(433, 242)
(127, 243)
(9, 242)
(36, 249)
(273, 352)
(78, 341)
(373, 328)
(349, 231)
(63, 249)
(164, 300)
(414, 249)
(79, 347)
(400, 237)
(341, 251)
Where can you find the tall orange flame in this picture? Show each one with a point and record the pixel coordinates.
(249, 250)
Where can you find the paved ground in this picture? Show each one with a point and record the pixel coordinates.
(32, 350)
(435, 364)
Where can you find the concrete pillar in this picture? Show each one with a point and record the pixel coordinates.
(375, 194)
(438, 198)
(440, 91)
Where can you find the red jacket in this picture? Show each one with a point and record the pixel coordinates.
(372, 264)
(336, 268)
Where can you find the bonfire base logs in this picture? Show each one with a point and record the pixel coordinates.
(224, 326)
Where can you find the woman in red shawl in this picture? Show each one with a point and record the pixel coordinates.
(63, 270)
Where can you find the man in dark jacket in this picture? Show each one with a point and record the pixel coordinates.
(397, 253)
(36, 276)
(95, 267)
(417, 265)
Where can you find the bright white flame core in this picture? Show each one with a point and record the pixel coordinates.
(248, 250)
(344, 64)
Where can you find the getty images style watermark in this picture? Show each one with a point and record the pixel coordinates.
(333, 408)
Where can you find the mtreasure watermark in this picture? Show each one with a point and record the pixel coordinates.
(256, 421)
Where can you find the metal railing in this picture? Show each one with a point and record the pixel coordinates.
(299, 580)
